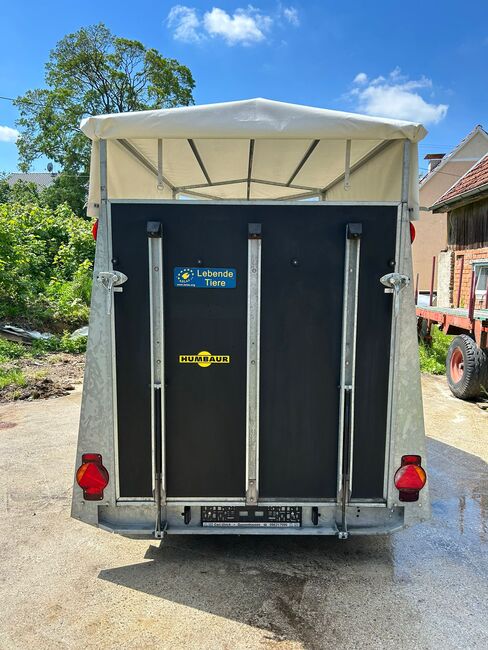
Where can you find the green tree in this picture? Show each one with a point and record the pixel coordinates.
(4, 189)
(67, 188)
(20, 192)
(24, 192)
(90, 72)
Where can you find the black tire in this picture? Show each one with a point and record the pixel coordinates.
(474, 374)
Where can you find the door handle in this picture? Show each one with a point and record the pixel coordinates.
(395, 282)
(109, 280)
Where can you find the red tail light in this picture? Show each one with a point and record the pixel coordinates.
(95, 230)
(412, 232)
(410, 478)
(92, 477)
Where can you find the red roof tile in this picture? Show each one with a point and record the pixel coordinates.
(475, 177)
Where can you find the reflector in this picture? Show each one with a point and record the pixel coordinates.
(412, 232)
(95, 230)
(92, 477)
(410, 478)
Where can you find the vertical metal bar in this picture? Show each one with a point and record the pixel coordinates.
(156, 320)
(105, 217)
(432, 278)
(471, 295)
(103, 175)
(461, 272)
(160, 164)
(348, 370)
(249, 168)
(347, 166)
(403, 252)
(253, 345)
(406, 172)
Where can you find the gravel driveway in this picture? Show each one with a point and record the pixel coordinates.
(66, 585)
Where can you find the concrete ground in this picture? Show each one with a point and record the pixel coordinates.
(66, 585)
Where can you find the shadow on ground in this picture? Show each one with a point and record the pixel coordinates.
(320, 590)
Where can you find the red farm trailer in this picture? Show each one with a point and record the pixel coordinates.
(467, 357)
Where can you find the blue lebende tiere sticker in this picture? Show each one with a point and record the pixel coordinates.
(204, 278)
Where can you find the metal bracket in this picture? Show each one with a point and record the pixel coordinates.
(395, 282)
(251, 492)
(109, 280)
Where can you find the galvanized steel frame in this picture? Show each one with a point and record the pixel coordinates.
(348, 370)
(402, 240)
(156, 320)
(252, 365)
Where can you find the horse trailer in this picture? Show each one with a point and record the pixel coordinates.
(252, 362)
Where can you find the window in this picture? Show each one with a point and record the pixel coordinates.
(481, 280)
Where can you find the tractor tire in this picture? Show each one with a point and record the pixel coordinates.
(466, 368)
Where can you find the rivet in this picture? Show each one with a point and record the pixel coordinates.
(156, 268)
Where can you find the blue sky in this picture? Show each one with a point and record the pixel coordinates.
(424, 61)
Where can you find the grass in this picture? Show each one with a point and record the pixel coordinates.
(11, 377)
(433, 356)
(10, 352)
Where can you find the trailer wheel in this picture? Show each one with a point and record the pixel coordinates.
(466, 368)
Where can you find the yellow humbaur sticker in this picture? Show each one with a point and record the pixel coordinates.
(204, 359)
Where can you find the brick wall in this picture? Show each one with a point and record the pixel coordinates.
(469, 255)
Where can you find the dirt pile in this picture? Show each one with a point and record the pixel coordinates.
(52, 375)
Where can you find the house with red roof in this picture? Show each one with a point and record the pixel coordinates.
(466, 205)
(431, 228)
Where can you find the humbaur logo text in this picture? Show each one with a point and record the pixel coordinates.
(204, 359)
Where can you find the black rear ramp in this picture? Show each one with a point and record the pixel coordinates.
(301, 324)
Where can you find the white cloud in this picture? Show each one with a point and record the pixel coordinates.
(360, 78)
(396, 96)
(244, 26)
(186, 23)
(291, 15)
(7, 134)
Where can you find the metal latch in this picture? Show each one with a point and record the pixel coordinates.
(109, 280)
(395, 282)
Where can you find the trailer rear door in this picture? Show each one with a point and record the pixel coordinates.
(205, 288)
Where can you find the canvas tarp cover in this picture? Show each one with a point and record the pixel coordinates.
(254, 149)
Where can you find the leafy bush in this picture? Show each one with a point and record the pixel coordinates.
(60, 344)
(10, 350)
(9, 376)
(433, 356)
(46, 258)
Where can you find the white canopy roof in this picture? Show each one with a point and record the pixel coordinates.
(252, 149)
